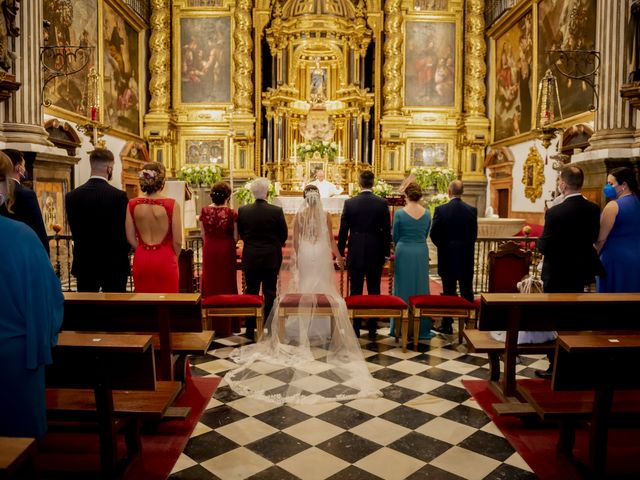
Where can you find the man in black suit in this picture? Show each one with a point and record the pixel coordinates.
(25, 208)
(263, 230)
(96, 212)
(365, 228)
(454, 231)
(570, 230)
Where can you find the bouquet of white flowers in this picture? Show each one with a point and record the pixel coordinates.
(244, 195)
(381, 189)
(330, 149)
(200, 176)
(438, 178)
(436, 200)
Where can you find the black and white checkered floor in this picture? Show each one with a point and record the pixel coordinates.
(426, 425)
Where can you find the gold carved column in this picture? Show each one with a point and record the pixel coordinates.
(392, 69)
(242, 56)
(158, 128)
(475, 136)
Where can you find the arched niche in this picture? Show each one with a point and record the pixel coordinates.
(499, 164)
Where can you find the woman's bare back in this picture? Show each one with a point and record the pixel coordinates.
(152, 223)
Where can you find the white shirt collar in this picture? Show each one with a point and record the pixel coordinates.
(572, 195)
(99, 177)
(15, 180)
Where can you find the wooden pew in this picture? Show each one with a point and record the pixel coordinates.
(566, 312)
(17, 458)
(109, 378)
(175, 320)
(590, 382)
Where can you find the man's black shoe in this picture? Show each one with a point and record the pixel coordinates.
(543, 373)
(373, 334)
(448, 330)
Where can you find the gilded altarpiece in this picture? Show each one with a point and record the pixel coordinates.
(208, 124)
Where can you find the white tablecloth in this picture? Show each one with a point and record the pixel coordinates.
(292, 204)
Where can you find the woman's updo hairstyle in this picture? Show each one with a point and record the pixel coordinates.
(628, 176)
(413, 192)
(152, 177)
(220, 192)
(311, 194)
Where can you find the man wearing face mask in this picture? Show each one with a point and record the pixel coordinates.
(567, 242)
(25, 207)
(96, 212)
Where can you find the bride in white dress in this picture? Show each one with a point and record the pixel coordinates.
(310, 353)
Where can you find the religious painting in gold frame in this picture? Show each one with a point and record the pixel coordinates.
(121, 106)
(198, 149)
(431, 5)
(429, 154)
(430, 70)
(533, 175)
(568, 25)
(513, 91)
(204, 57)
(50, 193)
(77, 26)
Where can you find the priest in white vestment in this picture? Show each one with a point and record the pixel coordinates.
(326, 188)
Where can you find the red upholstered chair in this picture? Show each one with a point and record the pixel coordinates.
(233, 306)
(439, 306)
(507, 266)
(373, 306)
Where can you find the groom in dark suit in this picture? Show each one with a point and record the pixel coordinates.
(454, 231)
(96, 213)
(263, 230)
(365, 227)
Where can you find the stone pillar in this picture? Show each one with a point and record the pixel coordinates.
(614, 119)
(21, 119)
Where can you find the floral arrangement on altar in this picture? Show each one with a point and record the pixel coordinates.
(199, 176)
(380, 188)
(436, 200)
(245, 197)
(330, 149)
(437, 178)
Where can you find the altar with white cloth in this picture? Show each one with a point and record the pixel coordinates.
(291, 205)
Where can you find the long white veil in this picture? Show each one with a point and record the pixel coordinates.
(310, 353)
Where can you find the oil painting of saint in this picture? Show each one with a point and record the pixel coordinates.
(205, 60)
(513, 81)
(430, 64)
(567, 25)
(71, 23)
(121, 73)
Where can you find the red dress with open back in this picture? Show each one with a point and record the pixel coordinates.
(219, 259)
(155, 267)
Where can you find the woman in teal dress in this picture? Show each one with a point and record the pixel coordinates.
(411, 267)
(31, 304)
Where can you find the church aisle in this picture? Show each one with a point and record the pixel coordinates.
(426, 425)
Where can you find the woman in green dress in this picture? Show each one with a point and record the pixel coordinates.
(411, 268)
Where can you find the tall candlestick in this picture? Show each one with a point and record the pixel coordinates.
(373, 153)
(357, 154)
(95, 136)
(339, 149)
(295, 151)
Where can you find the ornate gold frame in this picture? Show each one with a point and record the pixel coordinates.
(430, 140)
(182, 10)
(533, 175)
(136, 23)
(184, 137)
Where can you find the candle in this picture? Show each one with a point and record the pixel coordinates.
(339, 149)
(295, 151)
(356, 155)
(95, 136)
(264, 150)
(94, 113)
(373, 152)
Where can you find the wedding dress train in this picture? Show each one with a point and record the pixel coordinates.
(310, 353)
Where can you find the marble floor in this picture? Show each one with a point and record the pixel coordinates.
(426, 425)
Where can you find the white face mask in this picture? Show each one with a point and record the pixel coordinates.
(2, 198)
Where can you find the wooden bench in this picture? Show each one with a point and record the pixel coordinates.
(17, 458)
(565, 312)
(109, 378)
(175, 320)
(590, 382)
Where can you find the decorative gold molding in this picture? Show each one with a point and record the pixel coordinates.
(533, 175)
(242, 55)
(160, 59)
(475, 49)
(392, 69)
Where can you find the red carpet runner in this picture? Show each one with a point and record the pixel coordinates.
(537, 444)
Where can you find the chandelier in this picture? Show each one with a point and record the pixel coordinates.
(547, 106)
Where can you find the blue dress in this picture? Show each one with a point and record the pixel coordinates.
(411, 266)
(30, 317)
(620, 254)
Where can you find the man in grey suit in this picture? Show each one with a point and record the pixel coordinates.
(96, 213)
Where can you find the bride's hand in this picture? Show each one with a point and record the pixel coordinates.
(340, 261)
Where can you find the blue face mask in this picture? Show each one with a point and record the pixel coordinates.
(610, 192)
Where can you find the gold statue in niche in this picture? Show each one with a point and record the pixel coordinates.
(318, 91)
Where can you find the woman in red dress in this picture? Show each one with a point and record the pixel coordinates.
(154, 230)
(220, 234)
